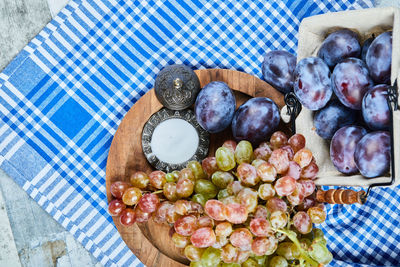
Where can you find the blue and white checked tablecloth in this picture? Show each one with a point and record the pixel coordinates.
(63, 96)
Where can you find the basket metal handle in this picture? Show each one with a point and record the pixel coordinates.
(335, 196)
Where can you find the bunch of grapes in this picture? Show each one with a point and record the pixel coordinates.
(243, 207)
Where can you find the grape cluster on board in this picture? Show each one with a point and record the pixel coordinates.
(243, 207)
(347, 85)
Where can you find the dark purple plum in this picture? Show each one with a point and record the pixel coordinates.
(372, 154)
(375, 109)
(332, 117)
(339, 45)
(215, 106)
(367, 43)
(350, 82)
(255, 120)
(278, 68)
(312, 84)
(379, 58)
(342, 148)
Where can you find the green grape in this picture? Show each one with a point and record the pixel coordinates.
(288, 250)
(206, 188)
(305, 243)
(319, 236)
(197, 169)
(223, 194)
(225, 159)
(250, 263)
(196, 264)
(261, 260)
(320, 253)
(224, 264)
(211, 257)
(222, 179)
(193, 253)
(170, 178)
(278, 261)
(199, 198)
(244, 152)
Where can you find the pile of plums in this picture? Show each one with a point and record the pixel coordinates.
(347, 87)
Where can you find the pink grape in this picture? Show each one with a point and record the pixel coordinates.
(182, 206)
(297, 196)
(128, 217)
(289, 150)
(234, 187)
(297, 142)
(294, 170)
(262, 245)
(196, 208)
(115, 207)
(223, 229)
(186, 225)
(118, 188)
(205, 221)
(307, 203)
(235, 213)
(203, 237)
(247, 174)
(303, 157)
(280, 160)
(161, 212)
(157, 179)
(266, 172)
(302, 222)
(209, 165)
(184, 187)
(262, 153)
(309, 187)
(149, 202)
(261, 212)
(284, 186)
(310, 171)
(231, 144)
(141, 216)
(215, 209)
(241, 238)
(243, 255)
(275, 204)
(260, 227)
(278, 139)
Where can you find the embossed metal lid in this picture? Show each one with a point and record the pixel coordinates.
(177, 86)
(162, 154)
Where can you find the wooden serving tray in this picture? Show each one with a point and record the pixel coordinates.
(150, 241)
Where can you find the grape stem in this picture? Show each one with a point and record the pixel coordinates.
(292, 236)
(157, 192)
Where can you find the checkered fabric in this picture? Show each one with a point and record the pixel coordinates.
(63, 96)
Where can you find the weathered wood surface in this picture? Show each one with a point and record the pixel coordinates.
(150, 241)
(29, 236)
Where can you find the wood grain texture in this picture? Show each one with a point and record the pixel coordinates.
(150, 242)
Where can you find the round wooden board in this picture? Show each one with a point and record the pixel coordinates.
(150, 242)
